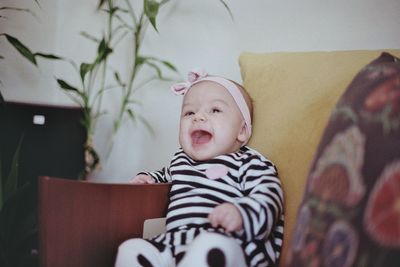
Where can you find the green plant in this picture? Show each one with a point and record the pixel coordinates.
(123, 22)
(8, 186)
(18, 217)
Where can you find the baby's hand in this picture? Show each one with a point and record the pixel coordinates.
(142, 179)
(227, 216)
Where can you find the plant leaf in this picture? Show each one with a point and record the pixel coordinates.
(164, 62)
(84, 69)
(89, 36)
(156, 68)
(21, 48)
(66, 86)
(130, 113)
(113, 11)
(48, 56)
(169, 65)
(101, 3)
(1, 99)
(19, 10)
(12, 180)
(140, 60)
(227, 8)
(102, 46)
(151, 8)
(122, 10)
(118, 79)
(103, 51)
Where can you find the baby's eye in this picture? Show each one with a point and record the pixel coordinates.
(216, 110)
(188, 113)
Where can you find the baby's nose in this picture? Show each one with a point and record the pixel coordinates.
(200, 116)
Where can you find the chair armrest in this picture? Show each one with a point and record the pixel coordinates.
(82, 223)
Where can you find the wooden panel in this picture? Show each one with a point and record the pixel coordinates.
(82, 223)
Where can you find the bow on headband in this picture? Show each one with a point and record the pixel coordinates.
(195, 77)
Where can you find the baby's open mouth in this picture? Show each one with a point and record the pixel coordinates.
(200, 137)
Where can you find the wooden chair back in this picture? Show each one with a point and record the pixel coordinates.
(82, 223)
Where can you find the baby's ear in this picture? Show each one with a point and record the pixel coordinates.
(243, 134)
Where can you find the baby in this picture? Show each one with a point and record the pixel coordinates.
(226, 200)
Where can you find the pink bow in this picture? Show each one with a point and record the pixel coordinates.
(193, 77)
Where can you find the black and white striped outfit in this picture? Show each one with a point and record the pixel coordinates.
(251, 184)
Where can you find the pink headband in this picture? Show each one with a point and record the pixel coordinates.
(195, 77)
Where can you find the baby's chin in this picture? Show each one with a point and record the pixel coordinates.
(204, 154)
(200, 156)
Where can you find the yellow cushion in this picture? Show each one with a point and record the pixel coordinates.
(293, 95)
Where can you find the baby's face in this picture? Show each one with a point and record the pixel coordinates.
(211, 123)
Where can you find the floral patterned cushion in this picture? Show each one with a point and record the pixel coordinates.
(350, 213)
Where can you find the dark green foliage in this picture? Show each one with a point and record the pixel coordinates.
(18, 216)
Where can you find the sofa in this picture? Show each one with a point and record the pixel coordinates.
(294, 95)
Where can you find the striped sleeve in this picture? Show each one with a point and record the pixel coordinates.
(161, 176)
(262, 206)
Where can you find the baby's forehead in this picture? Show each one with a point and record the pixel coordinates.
(207, 89)
(206, 95)
(205, 102)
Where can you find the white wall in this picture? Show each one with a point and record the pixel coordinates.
(191, 34)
